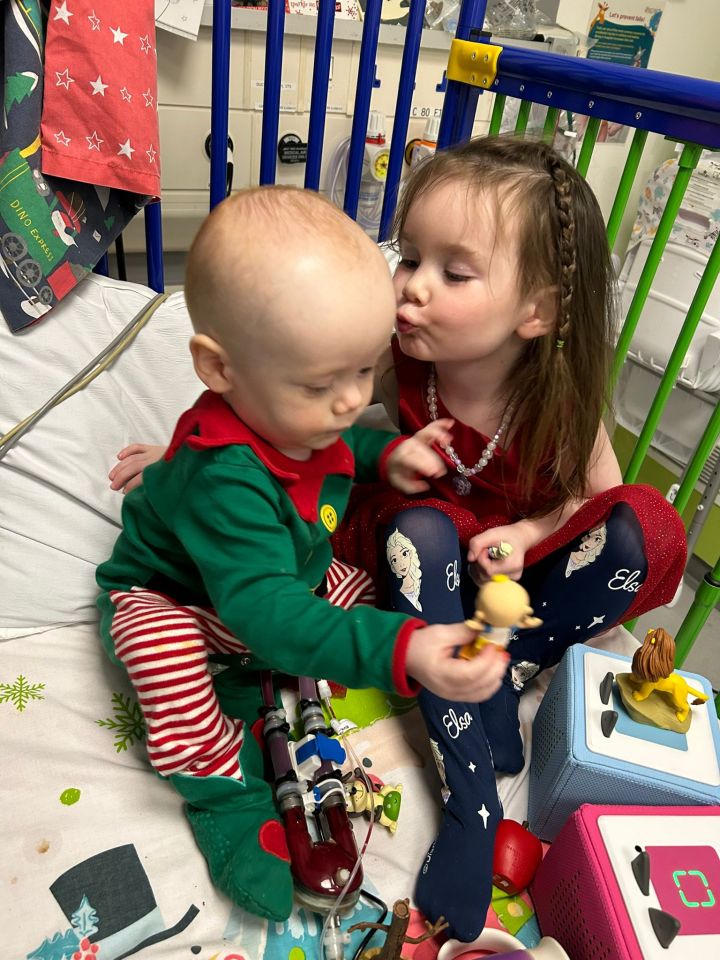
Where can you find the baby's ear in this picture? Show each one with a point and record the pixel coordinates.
(211, 362)
(541, 314)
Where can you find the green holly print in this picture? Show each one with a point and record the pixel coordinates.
(127, 722)
(20, 693)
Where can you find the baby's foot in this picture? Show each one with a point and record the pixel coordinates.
(238, 832)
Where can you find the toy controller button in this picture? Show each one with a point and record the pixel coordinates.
(641, 871)
(665, 926)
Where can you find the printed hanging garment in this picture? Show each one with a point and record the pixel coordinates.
(54, 228)
(99, 122)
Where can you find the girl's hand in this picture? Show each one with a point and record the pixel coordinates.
(415, 458)
(432, 662)
(483, 566)
(127, 474)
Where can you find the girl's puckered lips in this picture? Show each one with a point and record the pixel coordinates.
(404, 326)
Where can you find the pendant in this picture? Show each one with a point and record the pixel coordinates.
(462, 485)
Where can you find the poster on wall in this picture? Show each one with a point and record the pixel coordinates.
(622, 32)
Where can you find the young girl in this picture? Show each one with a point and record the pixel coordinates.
(503, 324)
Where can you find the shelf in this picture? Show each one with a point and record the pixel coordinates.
(297, 25)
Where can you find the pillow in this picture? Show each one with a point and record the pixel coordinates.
(58, 516)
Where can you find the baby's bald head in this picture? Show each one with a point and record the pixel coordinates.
(264, 254)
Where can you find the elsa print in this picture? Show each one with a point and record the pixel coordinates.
(405, 564)
(440, 763)
(590, 547)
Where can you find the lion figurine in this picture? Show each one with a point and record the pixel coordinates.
(653, 665)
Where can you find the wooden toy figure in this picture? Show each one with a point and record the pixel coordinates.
(652, 673)
(396, 933)
(501, 604)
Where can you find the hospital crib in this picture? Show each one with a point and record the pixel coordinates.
(682, 109)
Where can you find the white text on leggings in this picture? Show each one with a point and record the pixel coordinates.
(455, 724)
(624, 580)
(453, 579)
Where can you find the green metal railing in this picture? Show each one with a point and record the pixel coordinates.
(551, 119)
(588, 145)
(687, 163)
(523, 117)
(705, 599)
(674, 367)
(626, 184)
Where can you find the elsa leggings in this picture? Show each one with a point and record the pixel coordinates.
(578, 591)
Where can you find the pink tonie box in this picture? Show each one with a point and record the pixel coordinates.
(633, 883)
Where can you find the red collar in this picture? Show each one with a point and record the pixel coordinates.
(211, 422)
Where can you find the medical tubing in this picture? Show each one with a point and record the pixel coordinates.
(93, 369)
(369, 218)
(355, 760)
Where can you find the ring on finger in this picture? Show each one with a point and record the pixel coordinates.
(500, 551)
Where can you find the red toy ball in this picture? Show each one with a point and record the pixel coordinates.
(516, 857)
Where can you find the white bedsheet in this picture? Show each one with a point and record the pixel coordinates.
(77, 785)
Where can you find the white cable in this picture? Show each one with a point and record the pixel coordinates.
(94, 368)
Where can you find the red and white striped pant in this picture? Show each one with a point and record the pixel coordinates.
(165, 649)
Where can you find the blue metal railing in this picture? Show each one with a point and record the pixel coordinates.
(366, 76)
(682, 108)
(406, 87)
(220, 100)
(102, 266)
(154, 247)
(460, 99)
(272, 89)
(678, 107)
(318, 100)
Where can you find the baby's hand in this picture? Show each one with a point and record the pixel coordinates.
(127, 474)
(431, 661)
(415, 458)
(483, 565)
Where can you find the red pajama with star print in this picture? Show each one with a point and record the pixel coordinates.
(99, 122)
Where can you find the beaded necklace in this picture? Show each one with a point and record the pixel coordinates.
(461, 482)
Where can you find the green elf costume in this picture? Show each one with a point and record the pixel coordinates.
(223, 552)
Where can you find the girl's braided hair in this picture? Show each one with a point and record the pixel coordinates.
(568, 264)
(557, 388)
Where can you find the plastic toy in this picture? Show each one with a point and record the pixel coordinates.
(501, 603)
(633, 883)
(382, 802)
(653, 692)
(575, 761)
(307, 779)
(517, 855)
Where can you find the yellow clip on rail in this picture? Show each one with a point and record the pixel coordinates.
(473, 63)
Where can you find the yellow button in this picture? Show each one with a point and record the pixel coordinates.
(328, 515)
